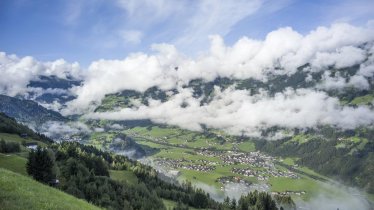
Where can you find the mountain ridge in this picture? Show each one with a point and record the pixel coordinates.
(27, 111)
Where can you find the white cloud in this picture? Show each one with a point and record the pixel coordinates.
(18, 72)
(56, 129)
(247, 58)
(281, 52)
(325, 40)
(335, 196)
(332, 83)
(236, 112)
(343, 57)
(137, 72)
(55, 106)
(116, 126)
(367, 70)
(359, 82)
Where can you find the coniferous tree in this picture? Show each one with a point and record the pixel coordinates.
(8, 147)
(2, 145)
(233, 204)
(40, 165)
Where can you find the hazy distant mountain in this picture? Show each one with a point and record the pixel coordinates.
(48, 89)
(27, 111)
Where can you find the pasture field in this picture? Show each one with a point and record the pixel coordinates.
(123, 176)
(13, 162)
(181, 145)
(19, 192)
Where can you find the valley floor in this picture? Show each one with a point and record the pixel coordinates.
(221, 165)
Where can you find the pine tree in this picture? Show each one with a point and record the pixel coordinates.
(233, 203)
(3, 146)
(40, 165)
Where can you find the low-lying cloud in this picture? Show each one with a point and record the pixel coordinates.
(336, 196)
(237, 112)
(56, 130)
(282, 52)
(16, 73)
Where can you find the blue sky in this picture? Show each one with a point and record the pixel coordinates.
(88, 30)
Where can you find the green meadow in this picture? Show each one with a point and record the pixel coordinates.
(19, 192)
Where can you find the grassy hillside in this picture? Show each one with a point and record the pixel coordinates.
(16, 162)
(13, 163)
(172, 204)
(363, 100)
(11, 126)
(17, 138)
(347, 155)
(123, 176)
(21, 192)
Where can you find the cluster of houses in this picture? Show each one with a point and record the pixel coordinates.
(210, 153)
(196, 165)
(199, 167)
(69, 138)
(287, 173)
(288, 193)
(233, 179)
(263, 175)
(255, 159)
(244, 171)
(261, 166)
(170, 163)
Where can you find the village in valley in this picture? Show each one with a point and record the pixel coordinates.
(214, 159)
(252, 164)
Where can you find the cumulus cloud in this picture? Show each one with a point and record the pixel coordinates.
(346, 57)
(359, 82)
(136, 72)
(343, 57)
(18, 72)
(338, 82)
(283, 49)
(237, 112)
(367, 70)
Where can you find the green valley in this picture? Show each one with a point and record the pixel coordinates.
(217, 159)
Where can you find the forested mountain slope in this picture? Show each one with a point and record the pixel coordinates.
(27, 111)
